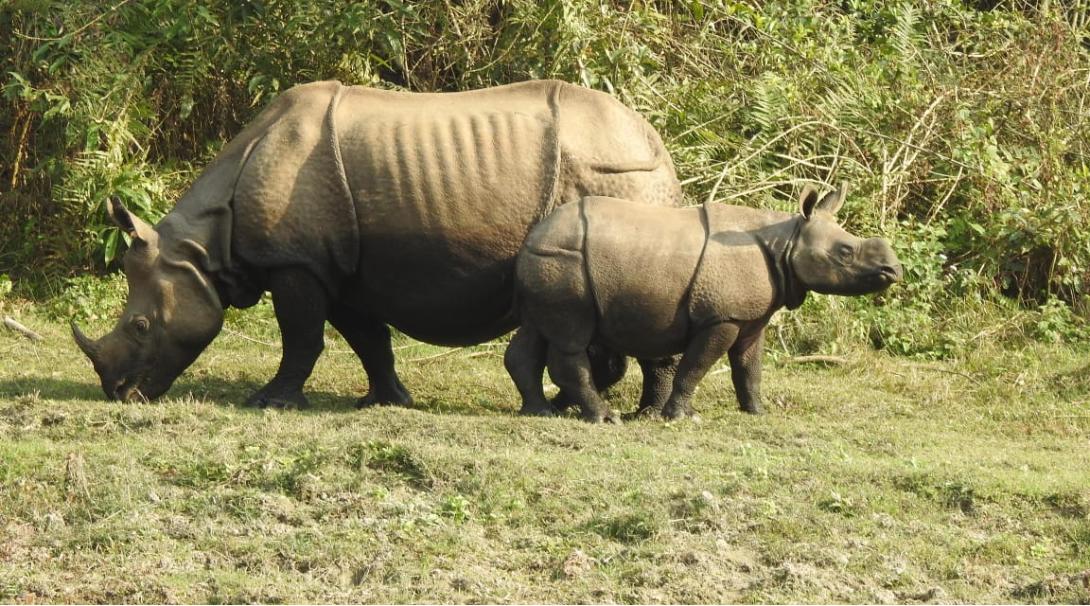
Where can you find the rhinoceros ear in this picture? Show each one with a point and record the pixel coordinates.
(138, 230)
(808, 200)
(833, 200)
(830, 203)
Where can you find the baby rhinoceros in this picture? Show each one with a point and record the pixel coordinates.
(654, 282)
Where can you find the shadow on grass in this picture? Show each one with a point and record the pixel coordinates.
(234, 393)
(210, 389)
(50, 388)
(231, 393)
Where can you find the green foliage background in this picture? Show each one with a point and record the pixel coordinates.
(961, 126)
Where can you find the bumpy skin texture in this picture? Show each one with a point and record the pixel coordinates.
(370, 208)
(655, 282)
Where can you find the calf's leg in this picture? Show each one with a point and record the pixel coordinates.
(705, 348)
(300, 303)
(572, 373)
(745, 371)
(607, 368)
(525, 362)
(658, 379)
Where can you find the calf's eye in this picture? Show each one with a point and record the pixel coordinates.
(141, 323)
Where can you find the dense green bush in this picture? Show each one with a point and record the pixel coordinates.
(961, 126)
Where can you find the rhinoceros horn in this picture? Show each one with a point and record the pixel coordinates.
(88, 346)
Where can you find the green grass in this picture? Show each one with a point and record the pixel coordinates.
(883, 479)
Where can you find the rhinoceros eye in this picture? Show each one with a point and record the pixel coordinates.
(845, 253)
(141, 324)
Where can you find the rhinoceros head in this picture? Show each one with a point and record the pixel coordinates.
(172, 314)
(827, 259)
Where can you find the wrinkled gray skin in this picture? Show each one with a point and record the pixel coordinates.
(653, 282)
(369, 209)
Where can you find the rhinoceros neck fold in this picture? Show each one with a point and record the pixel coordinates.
(790, 292)
(198, 231)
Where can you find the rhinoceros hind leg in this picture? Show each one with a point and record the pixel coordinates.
(370, 339)
(571, 372)
(299, 301)
(607, 368)
(658, 378)
(525, 362)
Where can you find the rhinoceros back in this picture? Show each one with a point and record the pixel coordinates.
(446, 186)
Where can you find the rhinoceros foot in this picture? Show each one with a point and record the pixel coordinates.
(643, 413)
(752, 409)
(394, 396)
(561, 402)
(545, 410)
(264, 398)
(603, 416)
(677, 409)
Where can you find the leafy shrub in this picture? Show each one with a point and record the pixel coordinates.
(960, 126)
(89, 298)
(1057, 323)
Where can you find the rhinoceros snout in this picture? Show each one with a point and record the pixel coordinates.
(894, 272)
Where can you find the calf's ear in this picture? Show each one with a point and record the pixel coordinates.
(834, 200)
(830, 203)
(808, 200)
(135, 227)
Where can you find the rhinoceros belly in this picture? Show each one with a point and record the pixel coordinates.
(445, 191)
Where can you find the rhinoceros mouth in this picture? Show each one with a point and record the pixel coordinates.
(128, 390)
(889, 275)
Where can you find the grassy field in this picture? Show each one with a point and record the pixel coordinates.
(880, 480)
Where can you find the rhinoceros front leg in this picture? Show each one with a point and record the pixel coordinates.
(705, 348)
(370, 339)
(525, 362)
(300, 303)
(745, 370)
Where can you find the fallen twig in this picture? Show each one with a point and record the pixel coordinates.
(434, 356)
(816, 358)
(235, 333)
(23, 330)
(954, 372)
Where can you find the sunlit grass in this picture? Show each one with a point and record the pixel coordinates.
(881, 479)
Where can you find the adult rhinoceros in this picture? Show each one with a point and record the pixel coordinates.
(368, 208)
